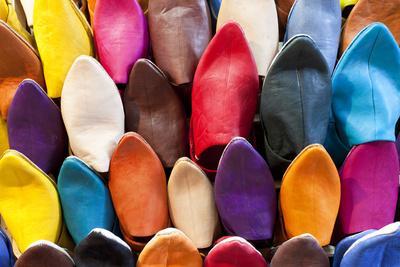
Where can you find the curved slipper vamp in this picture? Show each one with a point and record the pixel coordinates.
(29, 201)
(379, 248)
(93, 113)
(103, 248)
(19, 61)
(366, 12)
(121, 35)
(295, 102)
(224, 97)
(310, 195)
(170, 248)
(44, 254)
(369, 182)
(138, 189)
(191, 203)
(321, 20)
(234, 252)
(245, 192)
(259, 21)
(35, 127)
(300, 251)
(162, 123)
(78, 183)
(180, 31)
(59, 45)
(365, 105)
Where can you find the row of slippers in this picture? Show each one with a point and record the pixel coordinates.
(170, 247)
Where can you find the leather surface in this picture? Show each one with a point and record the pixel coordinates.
(29, 202)
(138, 189)
(162, 123)
(310, 195)
(121, 36)
(295, 102)
(192, 204)
(347, 3)
(283, 8)
(9, 15)
(379, 248)
(170, 248)
(6, 253)
(45, 254)
(369, 185)
(19, 61)
(3, 136)
(259, 21)
(78, 183)
(93, 130)
(103, 248)
(180, 31)
(245, 192)
(301, 251)
(366, 12)
(233, 252)
(28, 10)
(35, 127)
(325, 31)
(225, 92)
(345, 244)
(60, 26)
(215, 5)
(365, 106)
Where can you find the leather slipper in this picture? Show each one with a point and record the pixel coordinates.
(170, 248)
(180, 32)
(93, 113)
(225, 91)
(283, 8)
(215, 5)
(9, 15)
(62, 34)
(310, 195)
(259, 21)
(138, 189)
(162, 123)
(191, 203)
(7, 258)
(78, 183)
(245, 192)
(103, 248)
(36, 128)
(295, 98)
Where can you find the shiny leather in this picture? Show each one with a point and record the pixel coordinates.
(225, 92)
(180, 31)
(9, 15)
(138, 189)
(36, 128)
(366, 12)
(3, 136)
(295, 99)
(170, 248)
(78, 183)
(345, 244)
(103, 248)
(29, 202)
(234, 252)
(62, 34)
(379, 248)
(259, 21)
(369, 185)
(192, 204)
(162, 123)
(92, 4)
(215, 5)
(300, 251)
(121, 36)
(6, 254)
(245, 192)
(303, 198)
(283, 7)
(45, 254)
(365, 106)
(93, 129)
(19, 61)
(325, 31)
